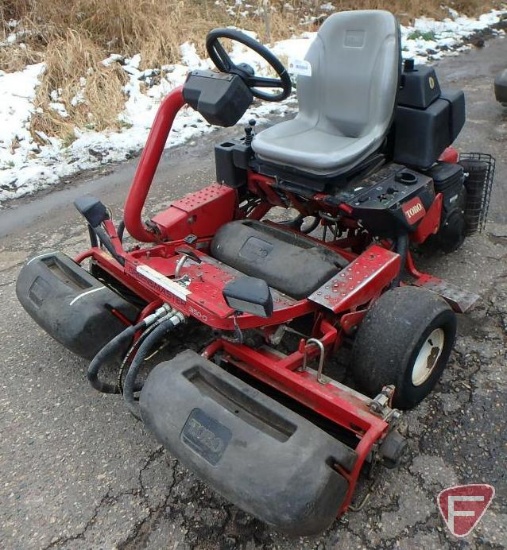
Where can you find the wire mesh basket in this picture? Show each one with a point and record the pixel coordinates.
(479, 171)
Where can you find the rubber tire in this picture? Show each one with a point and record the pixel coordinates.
(390, 337)
(501, 87)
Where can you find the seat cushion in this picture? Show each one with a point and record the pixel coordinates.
(346, 106)
(310, 149)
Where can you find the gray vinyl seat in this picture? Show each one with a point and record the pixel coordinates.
(346, 106)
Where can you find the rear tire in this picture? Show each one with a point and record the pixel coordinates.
(405, 339)
(501, 88)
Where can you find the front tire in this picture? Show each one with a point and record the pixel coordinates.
(405, 339)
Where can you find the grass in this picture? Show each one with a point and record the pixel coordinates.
(428, 35)
(7, 165)
(91, 92)
(72, 37)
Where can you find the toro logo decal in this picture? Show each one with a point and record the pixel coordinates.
(206, 436)
(413, 210)
(463, 506)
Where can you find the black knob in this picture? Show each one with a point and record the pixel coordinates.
(408, 65)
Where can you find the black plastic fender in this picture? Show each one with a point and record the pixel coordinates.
(70, 304)
(258, 454)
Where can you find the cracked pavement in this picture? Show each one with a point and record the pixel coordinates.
(79, 472)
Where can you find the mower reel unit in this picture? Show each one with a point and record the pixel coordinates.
(367, 178)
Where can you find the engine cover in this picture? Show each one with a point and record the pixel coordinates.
(448, 179)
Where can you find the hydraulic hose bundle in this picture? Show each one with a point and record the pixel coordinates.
(154, 326)
(167, 324)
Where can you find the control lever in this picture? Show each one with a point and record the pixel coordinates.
(250, 131)
(96, 214)
(186, 254)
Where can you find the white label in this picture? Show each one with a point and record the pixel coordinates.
(300, 67)
(164, 282)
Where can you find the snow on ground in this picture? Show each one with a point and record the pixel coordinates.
(26, 167)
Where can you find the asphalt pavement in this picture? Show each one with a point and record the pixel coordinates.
(79, 472)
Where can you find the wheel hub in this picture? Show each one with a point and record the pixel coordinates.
(428, 356)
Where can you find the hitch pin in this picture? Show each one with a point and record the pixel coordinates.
(320, 378)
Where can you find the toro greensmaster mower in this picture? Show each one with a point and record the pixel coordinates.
(368, 178)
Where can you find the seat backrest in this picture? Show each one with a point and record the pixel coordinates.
(356, 63)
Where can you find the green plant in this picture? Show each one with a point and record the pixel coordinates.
(424, 35)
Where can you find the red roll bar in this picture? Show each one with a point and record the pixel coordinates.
(148, 166)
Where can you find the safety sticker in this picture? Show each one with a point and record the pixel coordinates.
(300, 67)
(162, 281)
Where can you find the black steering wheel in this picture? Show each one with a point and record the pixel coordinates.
(224, 64)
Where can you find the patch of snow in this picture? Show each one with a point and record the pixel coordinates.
(59, 108)
(17, 91)
(190, 59)
(113, 58)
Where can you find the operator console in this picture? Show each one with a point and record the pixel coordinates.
(390, 202)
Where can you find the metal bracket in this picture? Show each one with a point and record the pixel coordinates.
(381, 404)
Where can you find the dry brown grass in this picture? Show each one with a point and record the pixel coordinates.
(69, 60)
(156, 28)
(17, 57)
(73, 36)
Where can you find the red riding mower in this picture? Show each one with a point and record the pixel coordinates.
(367, 178)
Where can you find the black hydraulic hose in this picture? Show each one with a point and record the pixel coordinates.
(108, 351)
(121, 230)
(133, 349)
(129, 386)
(106, 241)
